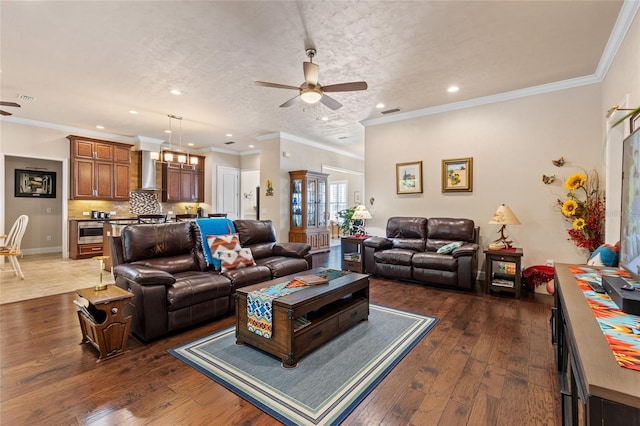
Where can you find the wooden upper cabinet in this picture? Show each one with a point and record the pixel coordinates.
(183, 182)
(99, 169)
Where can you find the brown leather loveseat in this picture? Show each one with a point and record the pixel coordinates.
(410, 251)
(174, 287)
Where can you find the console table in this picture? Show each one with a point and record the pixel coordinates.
(594, 388)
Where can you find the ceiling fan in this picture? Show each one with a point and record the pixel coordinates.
(311, 91)
(11, 104)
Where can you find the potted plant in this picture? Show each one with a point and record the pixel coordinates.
(346, 220)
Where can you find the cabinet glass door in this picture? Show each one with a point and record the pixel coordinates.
(311, 203)
(322, 204)
(296, 202)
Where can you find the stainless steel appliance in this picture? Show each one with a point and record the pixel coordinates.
(89, 232)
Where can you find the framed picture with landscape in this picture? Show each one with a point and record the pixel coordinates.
(457, 175)
(409, 177)
(34, 183)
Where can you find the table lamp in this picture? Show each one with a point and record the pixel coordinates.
(361, 213)
(503, 216)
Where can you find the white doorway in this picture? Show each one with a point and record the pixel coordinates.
(228, 190)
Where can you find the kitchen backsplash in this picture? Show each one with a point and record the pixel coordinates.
(135, 206)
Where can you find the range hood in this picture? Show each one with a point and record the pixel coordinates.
(147, 173)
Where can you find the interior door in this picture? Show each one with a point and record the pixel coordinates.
(228, 190)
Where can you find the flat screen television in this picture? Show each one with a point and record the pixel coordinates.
(630, 209)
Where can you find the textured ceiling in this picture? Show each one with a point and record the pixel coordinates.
(89, 63)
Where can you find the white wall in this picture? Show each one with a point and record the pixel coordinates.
(512, 144)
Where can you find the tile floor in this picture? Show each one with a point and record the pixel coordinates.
(48, 274)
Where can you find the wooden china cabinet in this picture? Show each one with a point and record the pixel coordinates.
(99, 169)
(309, 209)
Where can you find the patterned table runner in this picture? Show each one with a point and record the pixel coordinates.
(259, 302)
(621, 330)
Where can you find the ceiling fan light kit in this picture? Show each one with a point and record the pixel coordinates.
(311, 91)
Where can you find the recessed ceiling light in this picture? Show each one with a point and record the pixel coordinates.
(228, 135)
(190, 144)
(453, 89)
(324, 118)
(380, 105)
(167, 131)
(252, 146)
(99, 127)
(133, 112)
(176, 92)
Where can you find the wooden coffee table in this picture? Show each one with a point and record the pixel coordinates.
(329, 308)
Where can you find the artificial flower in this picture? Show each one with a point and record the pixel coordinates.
(583, 208)
(569, 207)
(579, 223)
(575, 181)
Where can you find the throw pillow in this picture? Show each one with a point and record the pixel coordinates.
(605, 255)
(218, 243)
(446, 249)
(234, 259)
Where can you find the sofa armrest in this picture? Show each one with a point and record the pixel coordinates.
(143, 275)
(468, 249)
(378, 243)
(299, 250)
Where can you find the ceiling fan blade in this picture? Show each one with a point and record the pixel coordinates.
(276, 85)
(330, 102)
(4, 112)
(346, 87)
(310, 73)
(290, 102)
(11, 104)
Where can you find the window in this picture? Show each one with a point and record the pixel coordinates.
(337, 198)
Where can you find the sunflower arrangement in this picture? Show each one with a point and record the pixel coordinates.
(584, 209)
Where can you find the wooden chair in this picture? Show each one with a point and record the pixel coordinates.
(217, 215)
(187, 216)
(12, 240)
(152, 218)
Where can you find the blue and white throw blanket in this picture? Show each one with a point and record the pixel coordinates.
(213, 226)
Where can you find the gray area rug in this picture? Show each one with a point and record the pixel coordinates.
(327, 384)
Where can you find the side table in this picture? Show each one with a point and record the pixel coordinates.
(352, 253)
(503, 270)
(102, 322)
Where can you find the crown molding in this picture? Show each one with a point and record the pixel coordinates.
(307, 142)
(625, 18)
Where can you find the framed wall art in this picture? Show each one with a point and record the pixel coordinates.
(35, 183)
(409, 177)
(457, 175)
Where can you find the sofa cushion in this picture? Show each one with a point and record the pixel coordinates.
(431, 260)
(394, 256)
(261, 250)
(171, 265)
(255, 231)
(442, 231)
(242, 277)
(448, 248)
(407, 227)
(142, 242)
(281, 265)
(234, 259)
(194, 287)
(414, 244)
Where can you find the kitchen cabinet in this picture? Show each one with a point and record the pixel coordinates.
(183, 182)
(309, 209)
(99, 169)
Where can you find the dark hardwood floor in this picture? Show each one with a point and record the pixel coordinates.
(489, 361)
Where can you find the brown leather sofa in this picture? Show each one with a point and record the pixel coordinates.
(164, 266)
(410, 251)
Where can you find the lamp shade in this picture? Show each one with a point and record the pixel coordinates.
(504, 216)
(361, 212)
